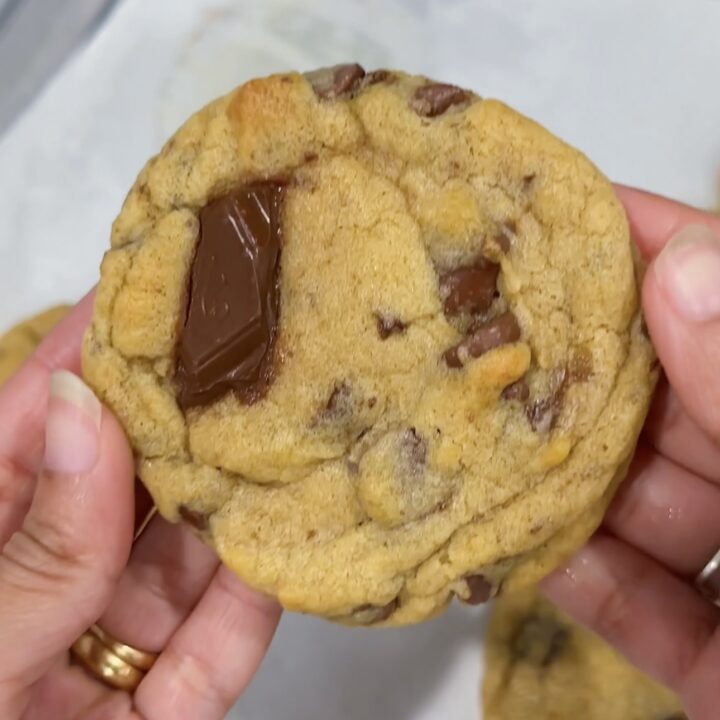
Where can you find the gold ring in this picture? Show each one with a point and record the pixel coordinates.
(115, 663)
(140, 659)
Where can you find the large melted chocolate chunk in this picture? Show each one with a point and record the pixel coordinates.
(540, 640)
(229, 333)
(436, 98)
(469, 289)
(332, 82)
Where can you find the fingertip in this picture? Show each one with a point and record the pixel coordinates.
(581, 574)
(655, 219)
(72, 428)
(61, 348)
(687, 271)
(652, 218)
(687, 341)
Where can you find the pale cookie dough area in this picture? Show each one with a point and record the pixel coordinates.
(542, 666)
(376, 339)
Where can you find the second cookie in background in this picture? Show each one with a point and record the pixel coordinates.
(18, 343)
(540, 665)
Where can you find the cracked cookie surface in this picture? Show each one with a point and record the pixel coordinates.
(377, 339)
(541, 665)
(18, 343)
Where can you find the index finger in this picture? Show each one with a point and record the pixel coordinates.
(23, 406)
(23, 397)
(654, 219)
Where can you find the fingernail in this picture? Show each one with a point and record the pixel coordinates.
(72, 431)
(688, 271)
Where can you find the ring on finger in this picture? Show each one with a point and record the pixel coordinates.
(708, 580)
(115, 663)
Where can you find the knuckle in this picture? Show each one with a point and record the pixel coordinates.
(167, 584)
(58, 544)
(695, 668)
(16, 484)
(241, 595)
(43, 555)
(614, 615)
(37, 565)
(200, 677)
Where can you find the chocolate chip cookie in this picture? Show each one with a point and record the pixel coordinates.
(377, 339)
(543, 666)
(18, 343)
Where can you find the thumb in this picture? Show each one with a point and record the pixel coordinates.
(58, 571)
(681, 297)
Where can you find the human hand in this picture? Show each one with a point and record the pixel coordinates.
(633, 582)
(67, 561)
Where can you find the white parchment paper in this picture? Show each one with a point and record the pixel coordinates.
(633, 83)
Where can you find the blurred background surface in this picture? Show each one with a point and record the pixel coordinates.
(89, 89)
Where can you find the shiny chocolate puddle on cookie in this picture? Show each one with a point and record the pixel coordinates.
(228, 337)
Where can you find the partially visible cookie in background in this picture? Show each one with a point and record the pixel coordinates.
(543, 666)
(17, 344)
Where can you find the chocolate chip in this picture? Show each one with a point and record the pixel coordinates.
(480, 590)
(377, 76)
(339, 403)
(503, 242)
(434, 99)
(413, 448)
(470, 288)
(311, 157)
(483, 337)
(507, 233)
(228, 338)
(372, 402)
(528, 181)
(543, 412)
(332, 82)
(388, 325)
(540, 640)
(452, 357)
(311, 534)
(195, 518)
(581, 365)
(517, 391)
(371, 614)
(490, 334)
